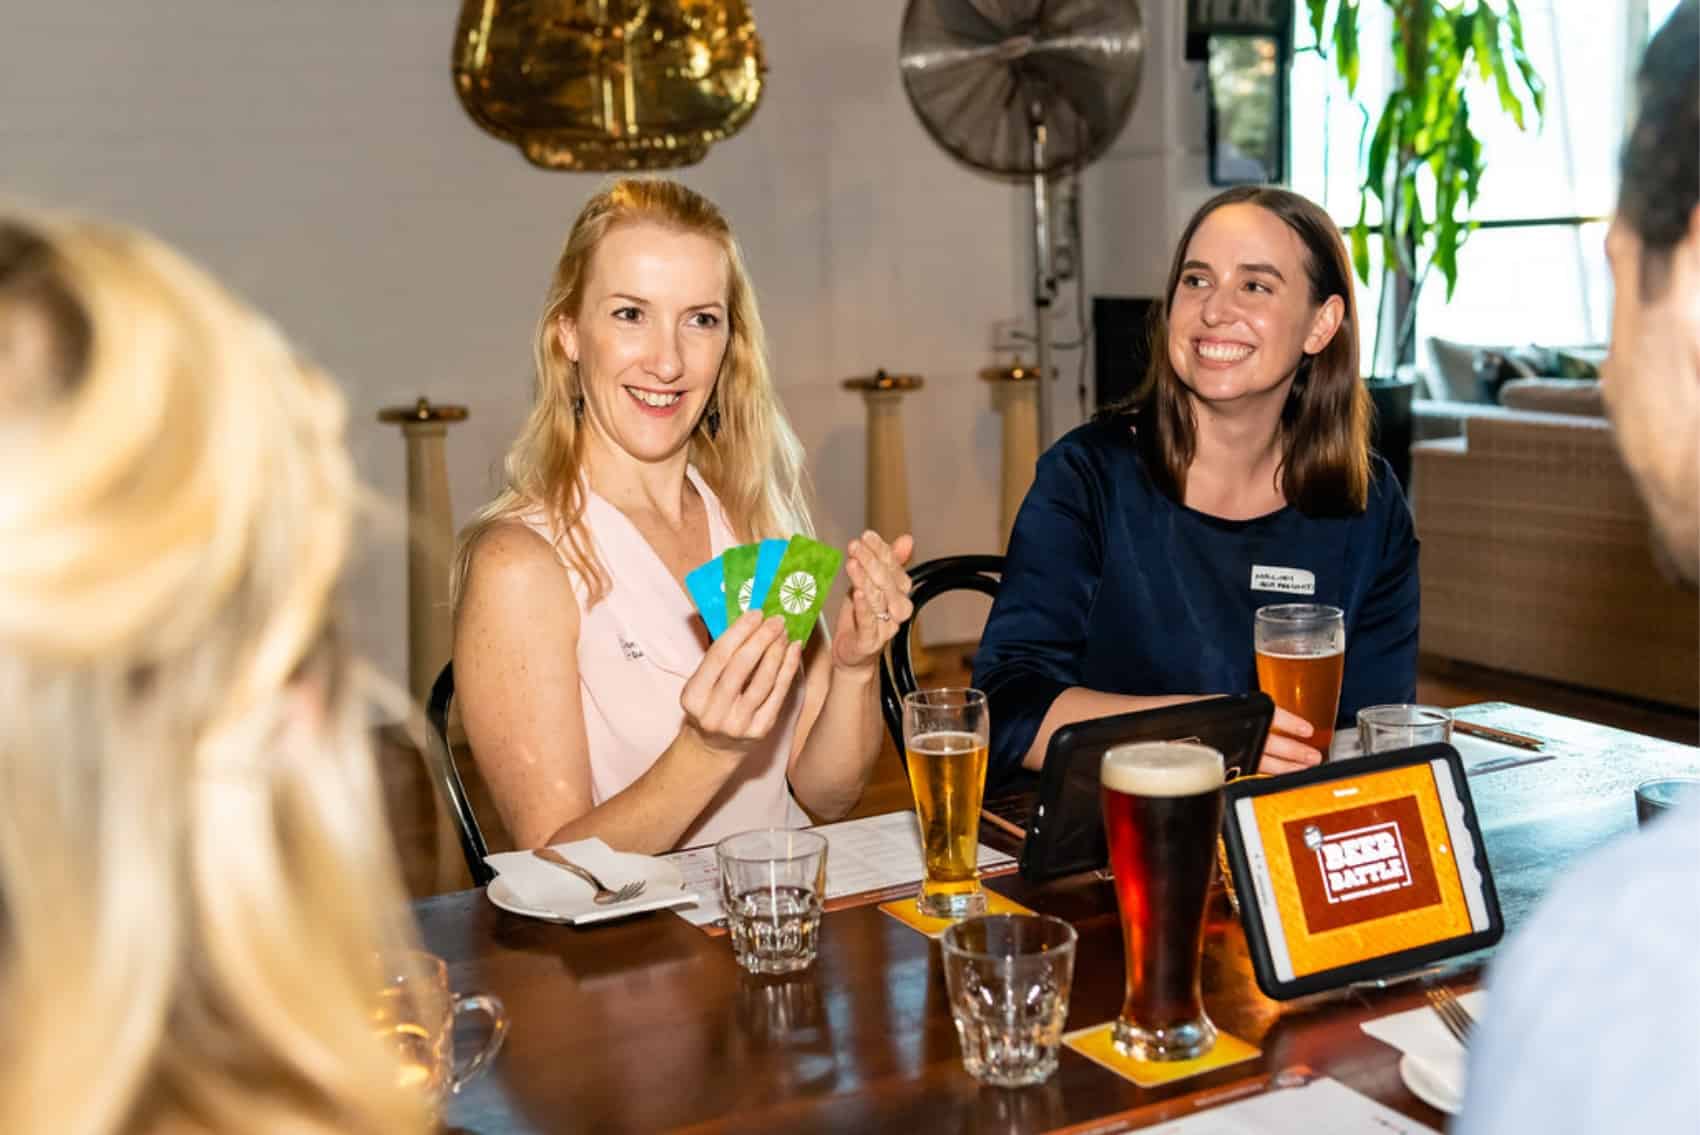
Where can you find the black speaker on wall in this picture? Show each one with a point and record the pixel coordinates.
(1121, 336)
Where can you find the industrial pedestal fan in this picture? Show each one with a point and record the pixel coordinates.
(1027, 90)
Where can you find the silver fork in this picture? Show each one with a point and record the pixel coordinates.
(604, 896)
(1451, 1012)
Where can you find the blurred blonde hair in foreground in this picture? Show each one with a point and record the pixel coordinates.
(194, 876)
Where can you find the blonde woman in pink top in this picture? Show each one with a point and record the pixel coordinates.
(593, 700)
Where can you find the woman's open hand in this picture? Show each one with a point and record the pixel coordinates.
(878, 600)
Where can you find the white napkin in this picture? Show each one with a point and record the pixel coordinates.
(526, 884)
(1422, 1037)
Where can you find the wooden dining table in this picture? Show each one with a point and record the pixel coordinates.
(648, 1024)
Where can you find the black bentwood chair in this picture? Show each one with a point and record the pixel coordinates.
(447, 776)
(931, 579)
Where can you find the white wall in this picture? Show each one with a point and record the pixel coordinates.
(313, 155)
(1141, 193)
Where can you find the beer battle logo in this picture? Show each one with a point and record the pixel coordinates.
(1355, 865)
(1360, 863)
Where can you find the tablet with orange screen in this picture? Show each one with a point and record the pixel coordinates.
(1359, 869)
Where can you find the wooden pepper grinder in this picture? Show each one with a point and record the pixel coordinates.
(888, 475)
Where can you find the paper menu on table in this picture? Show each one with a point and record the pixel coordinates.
(1321, 1107)
(863, 856)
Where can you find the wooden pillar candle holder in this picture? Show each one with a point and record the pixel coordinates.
(430, 539)
(430, 548)
(1016, 390)
(887, 473)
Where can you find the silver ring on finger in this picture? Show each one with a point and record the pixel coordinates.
(883, 616)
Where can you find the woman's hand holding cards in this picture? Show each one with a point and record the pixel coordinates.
(878, 601)
(735, 697)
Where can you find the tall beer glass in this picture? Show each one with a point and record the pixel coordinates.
(1162, 812)
(1301, 656)
(945, 737)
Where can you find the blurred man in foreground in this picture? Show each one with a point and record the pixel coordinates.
(1594, 1017)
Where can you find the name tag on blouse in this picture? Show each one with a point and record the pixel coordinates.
(1288, 581)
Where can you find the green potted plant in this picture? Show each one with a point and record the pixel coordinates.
(1422, 162)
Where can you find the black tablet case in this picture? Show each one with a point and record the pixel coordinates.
(1066, 833)
(1388, 965)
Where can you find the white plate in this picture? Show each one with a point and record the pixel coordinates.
(503, 896)
(570, 900)
(1429, 1086)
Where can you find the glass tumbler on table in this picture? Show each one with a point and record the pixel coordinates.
(1653, 798)
(1008, 977)
(946, 734)
(1301, 658)
(1162, 813)
(772, 884)
(1384, 728)
(416, 1012)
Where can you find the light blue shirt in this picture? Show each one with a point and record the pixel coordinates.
(1593, 1016)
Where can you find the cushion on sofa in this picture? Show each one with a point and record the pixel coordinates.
(1475, 372)
(1553, 396)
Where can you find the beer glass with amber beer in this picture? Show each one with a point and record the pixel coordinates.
(945, 738)
(1162, 811)
(1301, 656)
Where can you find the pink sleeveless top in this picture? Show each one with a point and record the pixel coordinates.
(636, 648)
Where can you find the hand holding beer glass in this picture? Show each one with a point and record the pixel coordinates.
(1162, 811)
(946, 734)
(1301, 658)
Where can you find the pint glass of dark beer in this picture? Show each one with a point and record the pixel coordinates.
(1301, 657)
(1162, 812)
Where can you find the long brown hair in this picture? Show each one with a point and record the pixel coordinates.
(1325, 424)
(753, 460)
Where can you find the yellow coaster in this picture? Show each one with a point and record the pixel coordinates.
(904, 911)
(1095, 1044)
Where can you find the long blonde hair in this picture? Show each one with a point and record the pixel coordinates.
(753, 460)
(195, 883)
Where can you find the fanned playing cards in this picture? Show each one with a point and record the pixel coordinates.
(750, 569)
(789, 578)
(707, 585)
(805, 574)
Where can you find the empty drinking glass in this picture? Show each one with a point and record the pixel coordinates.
(1009, 976)
(1653, 798)
(772, 882)
(1383, 728)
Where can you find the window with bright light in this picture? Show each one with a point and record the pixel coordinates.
(1536, 272)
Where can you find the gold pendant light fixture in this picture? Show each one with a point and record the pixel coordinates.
(609, 84)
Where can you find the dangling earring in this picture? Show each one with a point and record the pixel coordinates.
(578, 388)
(711, 420)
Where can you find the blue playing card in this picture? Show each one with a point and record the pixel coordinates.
(707, 585)
(767, 566)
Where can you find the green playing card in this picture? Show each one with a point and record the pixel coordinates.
(805, 575)
(740, 566)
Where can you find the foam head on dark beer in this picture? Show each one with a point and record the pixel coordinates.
(1162, 768)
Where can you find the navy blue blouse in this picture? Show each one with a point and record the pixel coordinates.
(1112, 585)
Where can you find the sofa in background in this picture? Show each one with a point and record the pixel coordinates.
(1537, 554)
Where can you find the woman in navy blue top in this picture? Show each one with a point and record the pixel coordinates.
(1239, 475)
